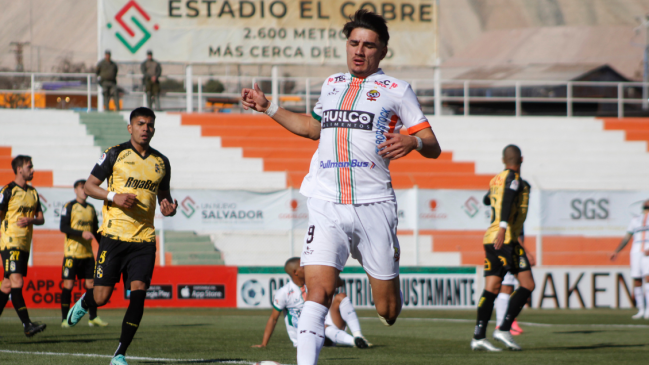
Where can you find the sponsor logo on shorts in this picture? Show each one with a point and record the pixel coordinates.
(353, 119)
(344, 164)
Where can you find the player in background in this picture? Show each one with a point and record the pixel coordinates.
(80, 225)
(638, 230)
(136, 174)
(351, 203)
(290, 299)
(509, 199)
(20, 210)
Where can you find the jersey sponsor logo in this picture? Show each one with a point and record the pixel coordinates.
(125, 155)
(102, 159)
(25, 209)
(333, 92)
(344, 164)
(140, 184)
(387, 84)
(353, 119)
(84, 223)
(382, 127)
(372, 95)
(335, 80)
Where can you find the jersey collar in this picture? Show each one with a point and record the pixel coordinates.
(377, 73)
(146, 154)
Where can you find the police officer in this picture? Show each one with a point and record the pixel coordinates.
(151, 71)
(107, 75)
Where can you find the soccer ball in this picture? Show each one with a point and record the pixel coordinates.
(252, 292)
(267, 362)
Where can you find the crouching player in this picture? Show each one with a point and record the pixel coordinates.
(290, 299)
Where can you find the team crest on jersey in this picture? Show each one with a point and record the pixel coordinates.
(157, 168)
(372, 95)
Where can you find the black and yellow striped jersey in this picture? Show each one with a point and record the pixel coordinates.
(523, 203)
(18, 203)
(75, 219)
(128, 172)
(505, 197)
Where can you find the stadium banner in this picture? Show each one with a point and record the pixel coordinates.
(52, 202)
(171, 286)
(589, 213)
(582, 287)
(423, 287)
(304, 32)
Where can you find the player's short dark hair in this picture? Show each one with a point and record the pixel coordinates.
(366, 19)
(20, 161)
(512, 155)
(141, 112)
(289, 262)
(79, 182)
(645, 206)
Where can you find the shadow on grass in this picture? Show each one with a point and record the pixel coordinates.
(595, 347)
(578, 332)
(205, 361)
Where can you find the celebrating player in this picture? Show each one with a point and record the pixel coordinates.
(136, 174)
(80, 225)
(639, 259)
(290, 298)
(509, 199)
(352, 207)
(20, 210)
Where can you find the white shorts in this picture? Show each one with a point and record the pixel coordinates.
(510, 280)
(639, 265)
(367, 231)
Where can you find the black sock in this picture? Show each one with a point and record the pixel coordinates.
(19, 305)
(131, 320)
(4, 298)
(66, 298)
(516, 303)
(485, 309)
(92, 311)
(88, 300)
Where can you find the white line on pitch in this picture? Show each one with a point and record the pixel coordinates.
(130, 357)
(525, 323)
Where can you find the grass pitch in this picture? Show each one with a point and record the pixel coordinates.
(174, 336)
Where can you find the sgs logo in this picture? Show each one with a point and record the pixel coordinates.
(590, 209)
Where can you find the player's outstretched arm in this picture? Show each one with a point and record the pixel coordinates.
(93, 190)
(398, 145)
(270, 327)
(299, 124)
(166, 207)
(623, 243)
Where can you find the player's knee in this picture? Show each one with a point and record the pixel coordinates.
(100, 298)
(320, 296)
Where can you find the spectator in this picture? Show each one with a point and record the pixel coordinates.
(151, 71)
(107, 76)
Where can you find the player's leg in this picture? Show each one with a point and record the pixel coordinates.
(68, 273)
(387, 298)
(139, 264)
(321, 283)
(645, 272)
(636, 274)
(105, 88)
(502, 300)
(156, 95)
(116, 96)
(342, 314)
(494, 271)
(335, 335)
(5, 287)
(149, 92)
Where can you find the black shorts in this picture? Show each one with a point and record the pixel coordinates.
(14, 261)
(132, 260)
(74, 268)
(510, 258)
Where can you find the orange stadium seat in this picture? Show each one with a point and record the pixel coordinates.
(41, 178)
(636, 129)
(259, 136)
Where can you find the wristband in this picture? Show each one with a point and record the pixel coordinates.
(503, 224)
(110, 196)
(272, 109)
(420, 144)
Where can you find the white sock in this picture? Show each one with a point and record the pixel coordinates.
(339, 337)
(639, 298)
(349, 316)
(646, 293)
(310, 333)
(501, 304)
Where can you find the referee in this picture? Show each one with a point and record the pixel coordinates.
(79, 223)
(137, 175)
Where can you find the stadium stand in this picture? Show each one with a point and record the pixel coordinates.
(188, 248)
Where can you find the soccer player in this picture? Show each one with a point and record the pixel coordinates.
(290, 298)
(352, 206)
(136, 174)
(639, 260)
(20, 210)
(509, 196)
(79, 223)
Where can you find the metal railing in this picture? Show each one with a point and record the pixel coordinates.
(458, 97)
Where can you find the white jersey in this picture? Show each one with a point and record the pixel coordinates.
(354, 113)
(289, 299)
(639, 228)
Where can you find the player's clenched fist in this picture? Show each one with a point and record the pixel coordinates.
(167, 208)
(125, 200)
(254, 99)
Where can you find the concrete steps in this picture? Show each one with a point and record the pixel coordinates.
(188, 248)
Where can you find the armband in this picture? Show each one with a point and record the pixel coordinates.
(272, 109)
(110, 196)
